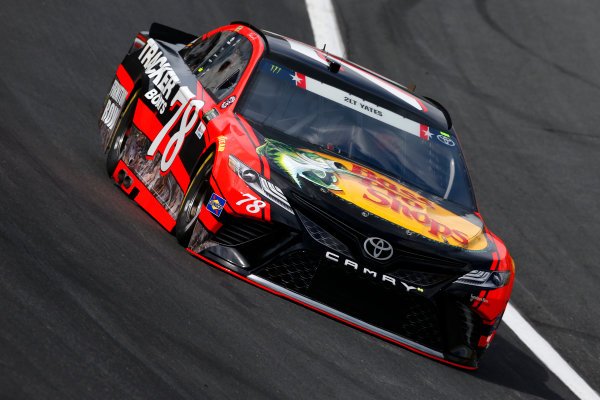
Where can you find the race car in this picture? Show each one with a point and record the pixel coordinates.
(313, 178)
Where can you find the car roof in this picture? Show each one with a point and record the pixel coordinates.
(314, 62)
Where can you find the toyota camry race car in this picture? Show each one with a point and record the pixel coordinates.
(311, 177)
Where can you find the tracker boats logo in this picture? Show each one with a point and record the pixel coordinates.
(378, 248)
(160, 72)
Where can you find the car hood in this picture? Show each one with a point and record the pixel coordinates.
(377, 194)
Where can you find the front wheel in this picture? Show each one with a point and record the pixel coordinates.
(195, 197)
(116, 148)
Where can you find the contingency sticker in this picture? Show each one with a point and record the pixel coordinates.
(215, 204)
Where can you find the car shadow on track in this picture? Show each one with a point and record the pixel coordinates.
(508, 363)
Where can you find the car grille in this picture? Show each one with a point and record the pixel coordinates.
(372, 300)
(411, 316)
(422, 279)
(350, 290)
(294, 271)
(322, 236)
(242, 230)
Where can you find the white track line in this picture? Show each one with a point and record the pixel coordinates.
(546, 353)
(324, 26)
(326, 31)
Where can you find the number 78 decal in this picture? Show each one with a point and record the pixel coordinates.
(253, 207)
(191, 109)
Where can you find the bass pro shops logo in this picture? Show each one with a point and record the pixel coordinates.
(378, 248)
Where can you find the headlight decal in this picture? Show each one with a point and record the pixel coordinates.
(485, 279)
(259, 183)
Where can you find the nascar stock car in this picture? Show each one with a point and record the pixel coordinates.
(311, 177)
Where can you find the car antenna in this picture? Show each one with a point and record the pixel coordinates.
(333, 65)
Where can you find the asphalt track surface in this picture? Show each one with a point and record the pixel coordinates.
(97, 301)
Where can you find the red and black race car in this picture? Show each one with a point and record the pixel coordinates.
(313, 178)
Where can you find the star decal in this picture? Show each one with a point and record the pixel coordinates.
(296, 78)
(425, 133)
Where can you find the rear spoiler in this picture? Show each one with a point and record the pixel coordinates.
(170, 35)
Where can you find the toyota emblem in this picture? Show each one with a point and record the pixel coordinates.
(446, 140)
(378, 248)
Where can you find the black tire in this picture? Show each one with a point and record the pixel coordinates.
(117, 142)
(195, 197)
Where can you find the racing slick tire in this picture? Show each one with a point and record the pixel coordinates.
(195, 197)
(117, 142)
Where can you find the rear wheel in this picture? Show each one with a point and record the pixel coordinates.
(195, 196)
(116, 146)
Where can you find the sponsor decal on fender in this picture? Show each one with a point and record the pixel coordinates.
(200, 130)
(118, 93)
(228, 102)
(116, 98)
(161, 74)
(477, 298)
(222, 142)
(215, 204)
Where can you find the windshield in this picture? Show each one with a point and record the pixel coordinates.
(337, 120)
